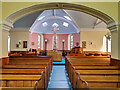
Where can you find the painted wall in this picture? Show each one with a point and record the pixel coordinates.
(49, 38)
(62, 37)
(34, 38)
(96, 37)
(76, 38)
(15, 36)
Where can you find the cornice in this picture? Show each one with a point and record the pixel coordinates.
(113, 26)
(7, 25)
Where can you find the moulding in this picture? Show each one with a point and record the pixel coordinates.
(7, 25)
(113, 26)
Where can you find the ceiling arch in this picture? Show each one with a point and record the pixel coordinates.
(57, 5)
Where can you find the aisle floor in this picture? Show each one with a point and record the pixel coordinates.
(59, 78)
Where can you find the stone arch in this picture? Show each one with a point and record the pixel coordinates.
(111, 24)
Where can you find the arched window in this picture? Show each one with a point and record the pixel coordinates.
(109, 45)
(70, 41)
(40, 41)
(56, 41)
(8, 43)
(106, 44)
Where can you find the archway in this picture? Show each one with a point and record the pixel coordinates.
(98, 14)
(111, 24)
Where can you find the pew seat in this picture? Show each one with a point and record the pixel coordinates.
(21, 81)
(99, 81)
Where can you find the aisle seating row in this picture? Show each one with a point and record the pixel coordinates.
(92, 72)
(88, 54)
(27, 71)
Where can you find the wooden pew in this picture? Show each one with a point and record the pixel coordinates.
(22, 81)
(72, 64)
(93, 72)
(75, 68)
(29, 67)
(29, 60)
(84, 61)
(33, 62)
(26, 72)
(94, 81)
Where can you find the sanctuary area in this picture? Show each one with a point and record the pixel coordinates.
(60, 45)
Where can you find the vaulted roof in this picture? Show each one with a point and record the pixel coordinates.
(68, 21)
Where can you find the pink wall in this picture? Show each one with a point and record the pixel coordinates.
(61, 37)
(34, 38)
(76, 38)
(49, 41)
(60, 44)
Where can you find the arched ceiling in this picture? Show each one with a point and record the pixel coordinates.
(75, 21)
(27, 21)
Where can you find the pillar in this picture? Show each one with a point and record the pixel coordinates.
(6, 26)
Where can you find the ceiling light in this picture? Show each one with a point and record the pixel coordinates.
(65, 24)
(44, 24)
(67, 18)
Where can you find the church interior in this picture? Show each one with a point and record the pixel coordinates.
(59, 45)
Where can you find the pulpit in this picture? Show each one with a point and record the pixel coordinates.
(57, 56)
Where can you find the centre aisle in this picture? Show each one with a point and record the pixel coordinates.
(59, 78)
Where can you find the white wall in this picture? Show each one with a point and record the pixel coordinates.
(17, 35)
(94, 36)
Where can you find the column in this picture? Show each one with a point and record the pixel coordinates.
(6, 26)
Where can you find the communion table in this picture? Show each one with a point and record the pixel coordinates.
(57, 56)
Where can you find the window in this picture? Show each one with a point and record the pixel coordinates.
(65, 24)
(71, 41)
(106, 44)
(44, 24)
(40, 18)
(55, 25)
(8, 43)
(56, 41)
(68, 18)
(39, 41)
(109, 45)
